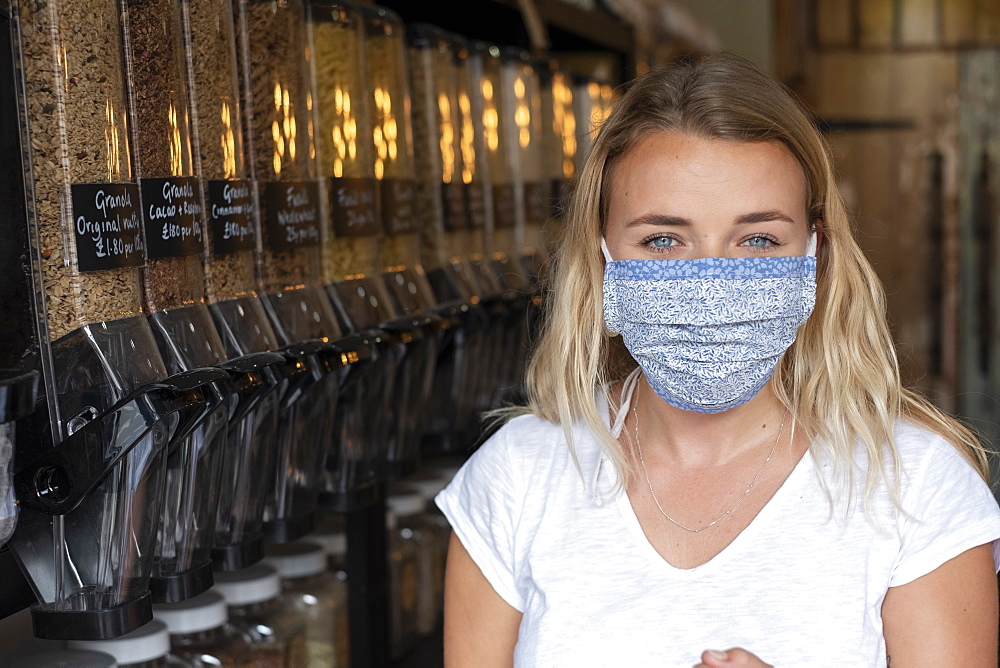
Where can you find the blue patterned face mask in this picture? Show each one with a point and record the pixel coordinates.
(708, 333)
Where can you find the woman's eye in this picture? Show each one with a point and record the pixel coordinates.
(759, 242)
(662, 242)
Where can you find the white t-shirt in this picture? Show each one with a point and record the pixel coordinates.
(798, 587)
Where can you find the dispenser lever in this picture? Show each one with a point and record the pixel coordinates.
(59, 480)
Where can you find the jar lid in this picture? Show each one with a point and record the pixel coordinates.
(201, 613)
(296, 560)
(407, 503)
(66, 658)
(333, 544)
(258, 583)
(148, 642)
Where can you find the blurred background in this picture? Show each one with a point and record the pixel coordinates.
(908, 92)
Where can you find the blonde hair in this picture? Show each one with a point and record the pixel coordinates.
(840, 379)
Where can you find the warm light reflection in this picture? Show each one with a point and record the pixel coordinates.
(111, 141)
(228, 141)
(175, 142)
(344, 132)
(491, 119)
(467, 138)
(283, 129)
(385, 132)
(447, 138)
(564, 122)
(522, 114)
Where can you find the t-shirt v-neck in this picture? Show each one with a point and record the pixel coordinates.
(770, 513)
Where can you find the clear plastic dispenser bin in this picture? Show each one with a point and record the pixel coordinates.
(199, 632)
(274, 631)
(501, 138)
(501, 304)
(231, 234)
(279, 105)
(173, 290)
(444, 221)
(522, 97)
(351, 265)
(146, 647)
(316, 594)
(18, 390)
(432, 325)
(90, 486)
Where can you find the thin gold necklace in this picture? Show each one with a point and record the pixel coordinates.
(723, 515)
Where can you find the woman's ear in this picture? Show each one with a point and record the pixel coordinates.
(818, 230)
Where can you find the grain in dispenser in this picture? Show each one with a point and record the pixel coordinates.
(90, 487)
(174, 288)
(521, 101)
(231, 235)
(351, 263)
(403, 273)
(278, 97)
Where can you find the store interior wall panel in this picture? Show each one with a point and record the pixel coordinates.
(883, 173)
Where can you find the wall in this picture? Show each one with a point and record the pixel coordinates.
(745, 27)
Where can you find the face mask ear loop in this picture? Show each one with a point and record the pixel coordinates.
(604, 249)
(810, 249)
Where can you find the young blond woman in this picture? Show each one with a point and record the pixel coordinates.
(718, 464)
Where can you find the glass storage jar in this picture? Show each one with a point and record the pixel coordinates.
(274, 632)
(199, 635)
(413, 526)
(314, 592)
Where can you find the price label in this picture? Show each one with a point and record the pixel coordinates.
(230, 216)
(291, 214)
(107, 226)
(171, 214)
(352, 206)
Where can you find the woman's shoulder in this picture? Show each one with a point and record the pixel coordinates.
(533, 437)
(926, 458)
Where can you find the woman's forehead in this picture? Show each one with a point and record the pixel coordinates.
(682, 175)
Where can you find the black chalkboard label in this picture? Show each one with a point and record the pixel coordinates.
(455, 211)
(476, 200)
(398, 198)
(291, 214)
(352, 207)
(230, 216)
(171, 214)
(107, 226)
(504, 213)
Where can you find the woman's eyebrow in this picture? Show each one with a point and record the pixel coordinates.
(764, 217)
(658, 219)
(677, 221)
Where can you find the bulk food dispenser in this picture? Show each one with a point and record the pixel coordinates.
(174, 287)
(502, 305)
(90, 487)
(448, 237)
(230, 271)
(279, 100)
(403, 273)
(351, 262)
(521, 109)
(505, 242)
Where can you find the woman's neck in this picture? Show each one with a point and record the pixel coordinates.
(703, 440)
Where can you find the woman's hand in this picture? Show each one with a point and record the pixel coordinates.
(731, 658)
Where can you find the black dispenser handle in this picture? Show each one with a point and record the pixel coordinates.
(58, 481)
